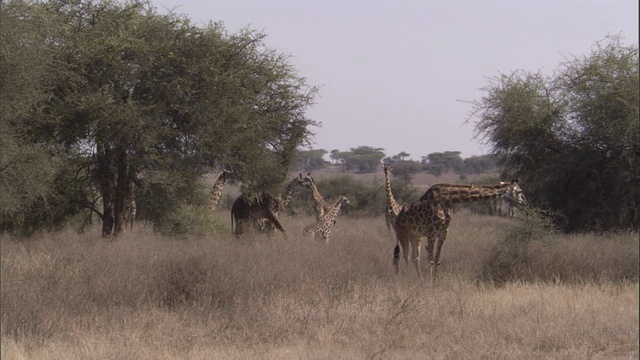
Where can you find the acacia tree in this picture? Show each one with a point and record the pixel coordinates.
(135, 96)
(27, 168)
(572, 138)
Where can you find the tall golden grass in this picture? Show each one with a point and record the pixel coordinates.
(499, 295)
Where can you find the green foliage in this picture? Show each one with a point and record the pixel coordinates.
(405, 170)
(127, 94)
(573, 139)
(364, 159)
(477, 165)
(438, 163)
(311, 160)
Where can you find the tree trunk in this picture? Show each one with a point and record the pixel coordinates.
(122, 187)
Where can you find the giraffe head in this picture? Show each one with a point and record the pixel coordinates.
(308, 181)
(344, 200)
(296, 181)
(515, 194)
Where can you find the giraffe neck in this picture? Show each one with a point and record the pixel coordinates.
(288, 192)
(216, 190)
(317, 197)
(335, 208)
(391, 201)
(465, 194)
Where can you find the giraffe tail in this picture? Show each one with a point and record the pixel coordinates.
(232, 232)
(396, 254)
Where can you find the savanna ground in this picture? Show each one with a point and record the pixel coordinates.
(507, 289)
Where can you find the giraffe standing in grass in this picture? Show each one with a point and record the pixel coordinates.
(393, 208)
(323, 226)
(216, 190)
(321, 206)
(429, 217)
(262, 213)
(130, 207)
(278, 205)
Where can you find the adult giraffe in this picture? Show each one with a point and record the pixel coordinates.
(262, 213)
(429, 217)
(393, 207)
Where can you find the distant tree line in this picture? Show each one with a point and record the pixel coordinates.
(367, 159)
(572, 139)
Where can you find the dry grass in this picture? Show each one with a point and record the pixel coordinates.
(68, 296)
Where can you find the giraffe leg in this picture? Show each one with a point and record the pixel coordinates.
(274, 220)
(442, 236)
(404, 243)
(396, 257)
(415, 252)
(430, 258)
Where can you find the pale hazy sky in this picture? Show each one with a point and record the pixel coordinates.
(398, 75)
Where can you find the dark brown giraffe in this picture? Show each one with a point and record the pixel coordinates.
(429, 217)
(280, 203)
(261, 213)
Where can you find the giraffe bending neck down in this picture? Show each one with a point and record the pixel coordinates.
(262, 213)
(429, 217)
(321, 205)
(323, 226)
(278, 205)
(216, 190)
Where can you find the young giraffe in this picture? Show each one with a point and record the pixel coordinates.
(262, 213)
(323, 226)
(216, 190)
(430, 217)
(393, 208)
(321, 205)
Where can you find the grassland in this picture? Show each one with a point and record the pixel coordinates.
(142, 296)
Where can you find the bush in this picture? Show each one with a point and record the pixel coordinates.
(530, 251)
(189, 220)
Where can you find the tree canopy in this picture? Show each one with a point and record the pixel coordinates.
(106, 94)
(573, 138)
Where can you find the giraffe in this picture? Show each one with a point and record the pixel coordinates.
(262, 212)
(130, 208)
(278, 205)
(323, 226)
(429, 217)
(216, 190)
(130, 205)
(321, 206)
(393, 208)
